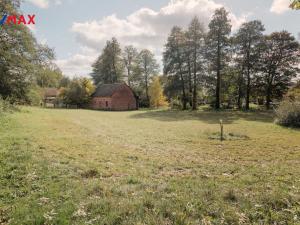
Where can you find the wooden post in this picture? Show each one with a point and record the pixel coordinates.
(221, 134)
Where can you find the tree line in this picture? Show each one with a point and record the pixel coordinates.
(210, 65)
(201, 65)
(229, 69)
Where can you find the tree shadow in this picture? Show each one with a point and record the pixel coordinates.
(206, 116)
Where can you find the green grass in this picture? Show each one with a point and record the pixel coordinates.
(147, 167)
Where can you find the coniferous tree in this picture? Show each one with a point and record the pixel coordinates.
(217, 47)
(174, 61)
(195, 45)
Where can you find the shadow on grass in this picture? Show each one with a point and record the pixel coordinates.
(207, 116)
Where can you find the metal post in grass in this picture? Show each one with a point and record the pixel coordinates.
(221, 133)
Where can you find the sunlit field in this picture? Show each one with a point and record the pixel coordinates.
(147, 167)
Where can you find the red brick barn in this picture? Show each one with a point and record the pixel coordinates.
(116, 97)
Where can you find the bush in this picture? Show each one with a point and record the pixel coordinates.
(6, 106)
(175, 104)
(35, 96)
(288, 113)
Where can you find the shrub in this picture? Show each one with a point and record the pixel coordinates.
(6, 106)
(288, 113)
(35, 96)
(175, 104)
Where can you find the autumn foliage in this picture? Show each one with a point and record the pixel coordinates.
(157, 98)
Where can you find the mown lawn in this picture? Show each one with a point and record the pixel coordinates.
(147, 167)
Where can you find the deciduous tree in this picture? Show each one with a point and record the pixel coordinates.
(279, 64)
(147, 67)
(130, 55)
(248, 40)
(17, 53)
(157, 97)
(109, 67)
(78, 93)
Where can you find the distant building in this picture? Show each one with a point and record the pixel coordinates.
(115, 97)
(50, 97)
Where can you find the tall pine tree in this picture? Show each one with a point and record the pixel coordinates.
(195, 50)
(174, 61)
(217, 47)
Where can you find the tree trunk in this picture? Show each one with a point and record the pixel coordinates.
(190, 83)
(195, 81)
(183, 100)
(195, 92)
(147, 92)
(128, 79)
(248, 81)
(146, 82)
(248, 90)
(218, 86)
(240, 93)
(240, 88)
(268, 96)
(239, 101)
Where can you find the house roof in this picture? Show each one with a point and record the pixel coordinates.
(106, 90)
(51, 92)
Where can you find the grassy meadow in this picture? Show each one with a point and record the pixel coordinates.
(157, 167)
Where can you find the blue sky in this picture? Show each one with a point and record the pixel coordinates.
(78, 29)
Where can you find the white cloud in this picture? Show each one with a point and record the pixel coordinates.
(44, 3)
(57, 2)
(77, 65)
(40, 3)
(146, 28)
(280, 6)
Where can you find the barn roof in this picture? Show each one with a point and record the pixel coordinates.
(51, 92)
(106, 90)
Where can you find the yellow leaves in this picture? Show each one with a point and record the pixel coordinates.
(157, 97)
(295, 4)
(88, 85)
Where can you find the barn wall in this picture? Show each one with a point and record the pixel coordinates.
(101, 103)
(124, 99)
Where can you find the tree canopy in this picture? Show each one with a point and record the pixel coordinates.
(25, 65)
(109, 67)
